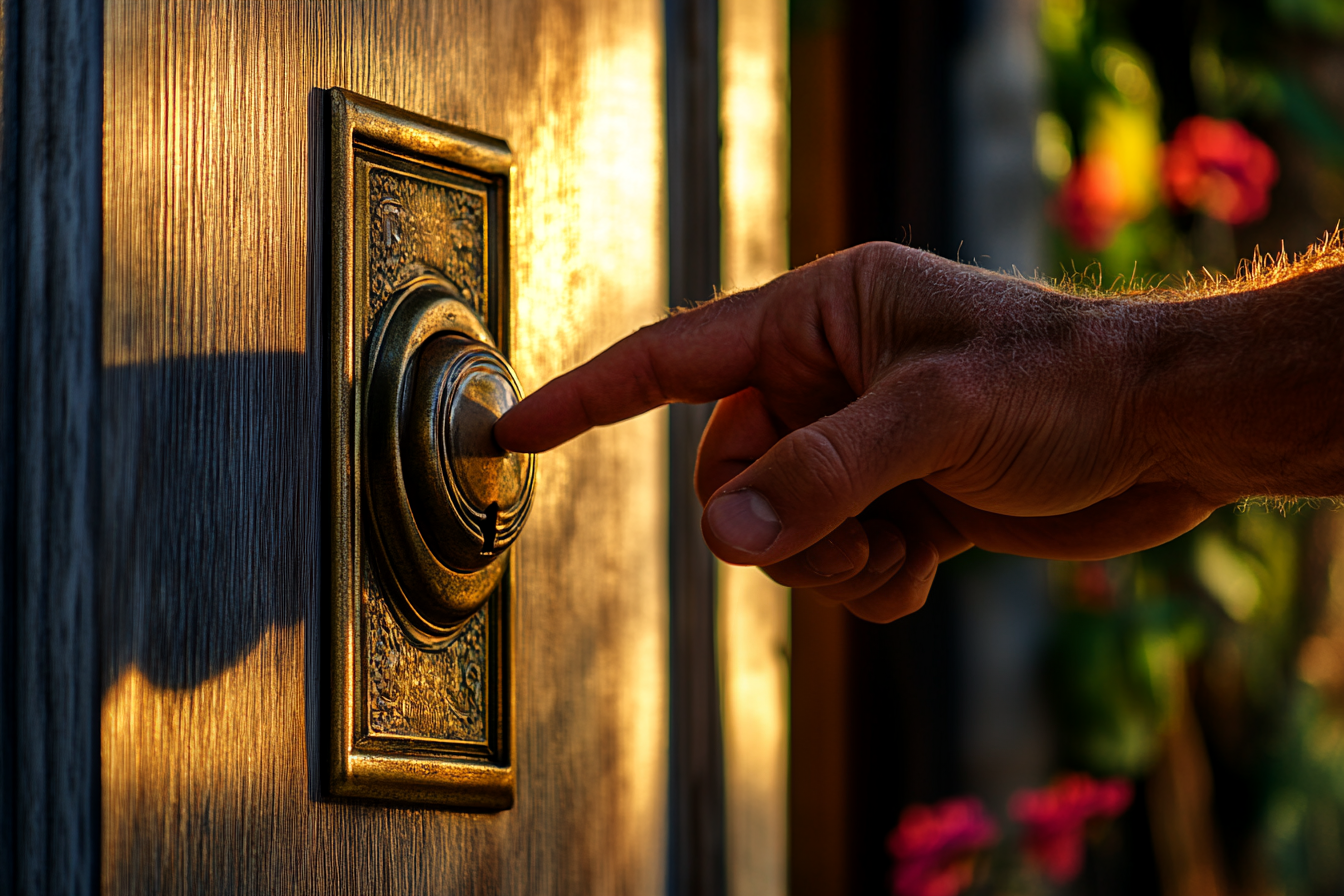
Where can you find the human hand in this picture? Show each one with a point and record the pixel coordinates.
(883, 409)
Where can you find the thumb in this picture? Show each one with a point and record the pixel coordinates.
(815, 478)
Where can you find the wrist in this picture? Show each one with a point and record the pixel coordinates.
(1183, 384)
(1240, 393)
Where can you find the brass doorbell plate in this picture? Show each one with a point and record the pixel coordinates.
(424, 505)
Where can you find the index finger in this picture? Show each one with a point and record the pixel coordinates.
(695, 356)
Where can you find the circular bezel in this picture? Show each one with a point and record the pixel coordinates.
(432, 599)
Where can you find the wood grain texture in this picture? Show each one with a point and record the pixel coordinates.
(753, 611)
(49, 311)
(212, 559)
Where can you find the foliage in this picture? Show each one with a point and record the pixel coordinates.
(1175, 139)
(1114, 665)
(1162, 155)
(1224, 608)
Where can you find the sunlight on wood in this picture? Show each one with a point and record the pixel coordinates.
(753, 613)
(212, 434)
(753, 653)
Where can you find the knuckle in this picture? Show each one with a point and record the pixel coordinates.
(877, 267)
(647, 384)
(825, 462)
(896, 599)
(878, 257)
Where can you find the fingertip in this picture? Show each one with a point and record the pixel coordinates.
(743, 522)
(509, 433)
(857, 558)
(535, 424)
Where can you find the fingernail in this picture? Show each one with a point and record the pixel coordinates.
(827, 559)
(886, 548)
(744, 520)
(922, 561)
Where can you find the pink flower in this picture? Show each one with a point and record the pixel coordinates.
(1218, 168)
(935, 847)
(1056, 818)
(1091, 204)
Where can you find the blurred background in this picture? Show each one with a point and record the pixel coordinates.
(1120, 143)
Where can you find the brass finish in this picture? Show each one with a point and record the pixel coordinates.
(446, 503)
(422, 684)
(475, 495)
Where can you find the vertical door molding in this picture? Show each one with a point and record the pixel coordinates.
(727, 213)
(695, 773)
(50, 269)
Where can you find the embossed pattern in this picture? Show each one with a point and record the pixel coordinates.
(416, 226)
(419, 225)
(425, 693)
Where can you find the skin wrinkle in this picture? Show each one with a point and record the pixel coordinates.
(824, 460)
(593, 419)
(884, 315)
(993, 425)
(850, 551)
(752, 348)
(855, 458)
(985, 450)
(997, 475)
(841, 334)
(1066, 339)
(806, 357)
(650, 383)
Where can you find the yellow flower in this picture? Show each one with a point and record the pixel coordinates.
(1127, 137)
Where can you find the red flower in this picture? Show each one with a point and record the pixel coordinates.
(1218, 168)
(1056, 819)
(1091, 204)
(1092, 586)
(935, 847)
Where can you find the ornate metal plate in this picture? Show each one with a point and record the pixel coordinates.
(428, 722)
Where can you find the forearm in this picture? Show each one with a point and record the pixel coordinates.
(1244, 392)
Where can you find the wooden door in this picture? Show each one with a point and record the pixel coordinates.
(163, 489)
(213, 443)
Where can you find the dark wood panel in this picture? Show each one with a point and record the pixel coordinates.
(696, 785)
(872, 711)
(49, 270)
(213, 495)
